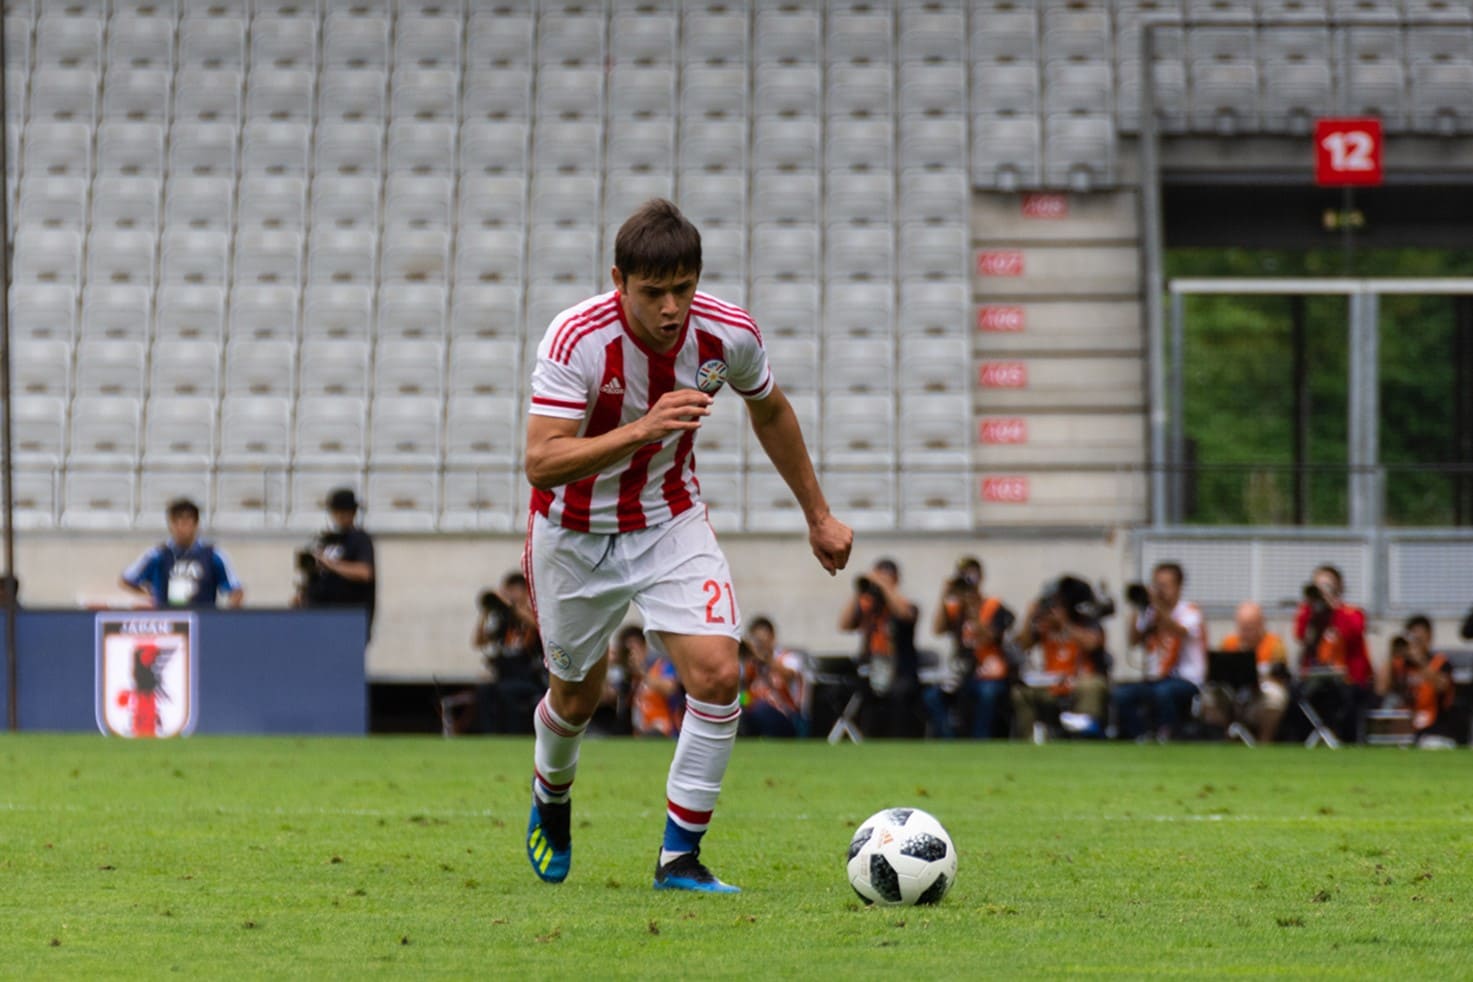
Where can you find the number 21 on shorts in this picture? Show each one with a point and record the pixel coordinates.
(713, 590)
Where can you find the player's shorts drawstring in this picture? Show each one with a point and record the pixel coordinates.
(608, 550)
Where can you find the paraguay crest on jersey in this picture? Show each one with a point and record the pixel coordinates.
(147, 674)
(711, 376)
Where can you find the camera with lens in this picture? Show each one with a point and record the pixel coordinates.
(1079, 600)
(865, 586)
(309, 570)
(1138, 595)
(1319, 606)
(497, 616)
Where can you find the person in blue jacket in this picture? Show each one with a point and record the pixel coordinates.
(185, 571)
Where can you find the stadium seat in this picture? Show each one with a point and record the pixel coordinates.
(570, 38)
(567, 145)
(136, 94)
(1006, 88)
(342, 255)
(545, 300)
(427, 43)
(714, 91)
(120, 255)
(724, 248)
(47, 255)
(780, 143)
(249, 500)
(199, 202)
(865, 498)
(479, 431)
(642, 145)
(53, 202)
(785, 250)
(713, 199)
(185, 368)
(98, 500)
(194, 255)
(568, 92)
(117, 311)
(936, 251)
(485, 310)
(493, 147)
(400, 502)
(935, 364)
(307, 504)
(279, 94)
(784, 307)
(188, 311)
(334, 367)
(426, 94)
(722, 439)
(208, 96)
(641, 91)
(259, 368)
(130, 149)
(643, 38)
(347, 201)
(933, 89)
(709, 144)
(1071, 34)
(857, 364)
(498, 37)
(564, 253)
(263, 312)
(492, 202)
(404, 431)
(405, 367)
(1378, 88)
(353, 95)
(158, 488)
(1006, 152)
(860, 251)
(485, 366)
(330, 432)
(104, 431)
(337, 310)
(1079, 151)
(769, 504)
(68, 42)
(421, 147)
(350, 149)
(212, 42)
(38, 436)
(180, 432)
(202, 149)
(935, 500)
(412, 311)
(18, 43)
(794, 362)
(933, 195)
(859, 430)
(355, 42)
(272, 146)
(926, 141)
(64, 95)
(1006, 34)
(268, 255)
(126, 202)
(932, 33)
(859, 309)
(860, 196)
(1442, 97)
(1080, 88)
(503, 93)
(780, 196)
(42, 367)
(564, 199)
(786, 35)
(35, 503)
(418, 201)
(415, 255)
(284, 43)
(860, 90)
(864, 35)
(791, 90)
(57, 149)
(479, 501)
(488, 255)
(714, 35)
(44, 311)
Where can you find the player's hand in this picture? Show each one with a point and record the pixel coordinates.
(673, 412)
(831, 540)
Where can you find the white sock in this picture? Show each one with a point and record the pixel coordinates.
(555, 755)
(701, 756)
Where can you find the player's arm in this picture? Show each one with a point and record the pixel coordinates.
(557, 455)
(776, 426)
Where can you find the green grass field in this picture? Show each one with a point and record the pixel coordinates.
(330, 858)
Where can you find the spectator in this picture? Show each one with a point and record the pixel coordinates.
(511, 649)
(185, 571)
(773, 685)
(976, 624)
(886, 621)
(1267, 708)
(1174, 636)
(656, 706)
(1333, 665)
(339, 568)
(612, 717)
(1073, 683)
(1421, 679)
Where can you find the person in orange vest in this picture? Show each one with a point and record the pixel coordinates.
(977, 625)
(1072, 684)
(1173, 633)
(1272, 657)
(1420, 678)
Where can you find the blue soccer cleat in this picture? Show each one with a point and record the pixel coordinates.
(549, 842)
(687, 872)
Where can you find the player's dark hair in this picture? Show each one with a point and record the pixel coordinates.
(760, 623)
(1175, 570)
(183, 506)
(514, 578)
(1418, 620)
(889, 566)
(657, 241)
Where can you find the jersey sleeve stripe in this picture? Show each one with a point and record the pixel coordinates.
(565, 355)
(568, 326)
(558, 403)
(748, 393)
(730, 321)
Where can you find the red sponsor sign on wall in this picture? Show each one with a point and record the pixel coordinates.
(1347, 151)
(998, 319)
(1000, 262)
(1044, 205)
(1011, 490)
(1003, 375)
(1003, 429)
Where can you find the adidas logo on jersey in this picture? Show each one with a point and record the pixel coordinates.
(613, 387)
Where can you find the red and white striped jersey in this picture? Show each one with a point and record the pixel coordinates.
(592, 368)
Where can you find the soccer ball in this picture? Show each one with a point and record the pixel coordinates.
(901, 856)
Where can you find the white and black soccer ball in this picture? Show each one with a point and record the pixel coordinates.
(901, 856)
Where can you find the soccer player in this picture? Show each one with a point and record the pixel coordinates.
(622, 383)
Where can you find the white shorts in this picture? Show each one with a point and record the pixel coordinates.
(582, 584)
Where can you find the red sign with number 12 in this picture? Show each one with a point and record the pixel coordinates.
(1347, 151)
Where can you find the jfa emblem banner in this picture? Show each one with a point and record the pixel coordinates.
(147, 676)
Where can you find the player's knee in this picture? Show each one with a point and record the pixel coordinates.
(716, 683)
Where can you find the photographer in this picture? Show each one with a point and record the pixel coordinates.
(1419, 679)
(1174, 636)
(511, 649)
(337, 569)
(886, 621)
(1072, 687)
(1334, 669)
(977, 625)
